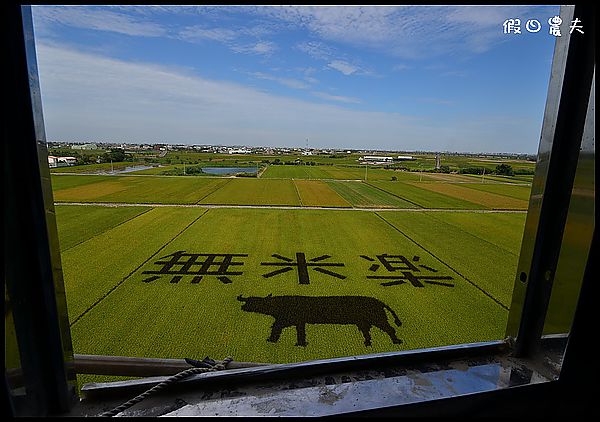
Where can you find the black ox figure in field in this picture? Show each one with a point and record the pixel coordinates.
(364, 312)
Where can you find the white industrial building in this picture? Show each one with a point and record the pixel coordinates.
(238, 151)
(85, 146)
(376, 159)
(54, 162)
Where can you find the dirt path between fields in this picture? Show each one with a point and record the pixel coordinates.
(287, 207)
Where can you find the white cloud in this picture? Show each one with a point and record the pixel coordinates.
(321, 51)
(230, 38)
(411, 32)
(316, 50)
(91, 97)
(197, 33)
(340, 98)
(341, 66)
(96, 18)
(261, 47)
(289, 82)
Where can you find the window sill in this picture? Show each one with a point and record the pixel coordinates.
(374, 385)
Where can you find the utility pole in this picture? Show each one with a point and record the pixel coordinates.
(112, 169)
(483, 174)
(184, 168)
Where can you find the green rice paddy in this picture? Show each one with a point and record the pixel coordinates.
(114, 311)
(166, 281)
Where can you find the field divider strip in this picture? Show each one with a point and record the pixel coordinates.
(297, 192)
(393, 194)
(133, 271)
(447, 265)
(350, 205)
(358, 193)
(288, 207)
(109, 228)
(332, 187)
(220, 186)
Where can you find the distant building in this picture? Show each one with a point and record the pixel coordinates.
(238, 151)
(85, 146)
(405, 158)
(54, 162)
(376, 159)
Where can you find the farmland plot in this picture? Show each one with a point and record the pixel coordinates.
(294, 172)
(255, 192)
(423, 197)
(487, 199)
(362, 195)
(73, 230)
(94, 267)
(60, 182)
(519, 179)
(316, 193)
(140, 189)
(470, 244)
(513, 191)
(188, 299)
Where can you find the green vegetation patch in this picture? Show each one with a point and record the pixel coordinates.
(520, 179)
(336, 173)
(255, 192)
(487, 199)
(193, 297)
(94, 267)
(294, 172)
(73, 230)
(424, 197)
(60, 182)
(513, 191)
(444, 177)
(140, 189)
(362, 195)
(316, 193)
(474, 252)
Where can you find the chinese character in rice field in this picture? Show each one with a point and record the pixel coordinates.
(302, 265)
(404, 269)
(196, 265)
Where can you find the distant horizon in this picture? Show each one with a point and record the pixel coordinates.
(291, 147)
(426, 77)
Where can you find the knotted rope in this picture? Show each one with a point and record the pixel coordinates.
(160, 386)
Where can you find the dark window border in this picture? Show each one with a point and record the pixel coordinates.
(33, 275)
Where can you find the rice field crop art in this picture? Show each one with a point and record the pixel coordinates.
(275, 286)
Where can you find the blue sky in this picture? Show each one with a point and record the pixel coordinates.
(404, 78)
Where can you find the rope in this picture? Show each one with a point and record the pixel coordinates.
(160, 386)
